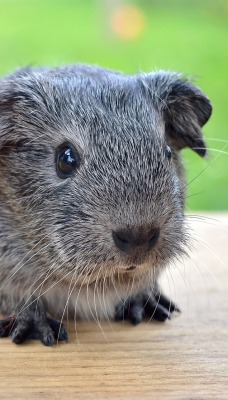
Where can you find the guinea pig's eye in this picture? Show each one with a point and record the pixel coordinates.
(168, 152)
(67, 161)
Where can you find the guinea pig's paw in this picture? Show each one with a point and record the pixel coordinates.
(131, 309)
(158, 307)
(48, 331)
(6, 326)
(162, 300)
(32, 323)
(60, 333)
(144, 306)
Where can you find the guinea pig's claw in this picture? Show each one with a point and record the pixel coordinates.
(5, 326)
(60, 332)
(32, 323)
(145, 306)
(165, 302)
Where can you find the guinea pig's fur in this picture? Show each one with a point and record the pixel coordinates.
(82, 243)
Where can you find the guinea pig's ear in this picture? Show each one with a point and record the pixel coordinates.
(185, 109)
(10, 89)
(10, 96)
(10, 137)
(6, 113)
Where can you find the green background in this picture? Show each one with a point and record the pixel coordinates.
(186, 36)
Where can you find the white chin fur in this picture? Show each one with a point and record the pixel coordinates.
(97, 301)
(84, 303)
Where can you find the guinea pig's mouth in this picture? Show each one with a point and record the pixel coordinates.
(134, 262)
(131, 268)
(133, 265)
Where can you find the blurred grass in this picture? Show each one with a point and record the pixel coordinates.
(187, 36)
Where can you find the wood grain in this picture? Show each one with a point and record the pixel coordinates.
(185, 358)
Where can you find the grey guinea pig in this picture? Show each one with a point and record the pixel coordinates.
(92, 194)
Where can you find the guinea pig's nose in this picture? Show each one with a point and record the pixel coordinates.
(127, 240)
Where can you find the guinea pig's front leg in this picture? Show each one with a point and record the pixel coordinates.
(32, 322)
(148, 305)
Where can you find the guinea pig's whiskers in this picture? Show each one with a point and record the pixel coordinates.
(47, 290)
(104, 284)
(182, 272)
(207, 245)
(113, 281)
(70, 291)
(96, 318)
(210, 248)
(197, 176)
(131, 286)
(207, 220)
(198, 267)
(116, 278)
(100, 292)
(49, 273)
(76, 302)
(202, 276)
(209, 162)
(170, 277)
(210, 149)
(192, 195)
(80, 274)
(27, 291)
(95, 268)
(155, 309)
(218, 140)
(25, 303)
(31, 286)
(23, 261)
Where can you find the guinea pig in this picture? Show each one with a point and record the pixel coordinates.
(92, 194)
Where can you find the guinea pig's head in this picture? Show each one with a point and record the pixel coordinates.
(90, 167)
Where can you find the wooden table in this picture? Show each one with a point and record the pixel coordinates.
(185, 358)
